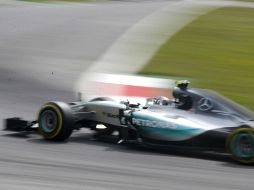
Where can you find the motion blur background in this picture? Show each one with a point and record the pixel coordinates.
(47, 50)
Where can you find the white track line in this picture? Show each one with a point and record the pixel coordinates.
(137, 46)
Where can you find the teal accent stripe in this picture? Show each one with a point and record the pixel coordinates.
(176, 132)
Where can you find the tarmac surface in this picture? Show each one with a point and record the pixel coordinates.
(43, 49)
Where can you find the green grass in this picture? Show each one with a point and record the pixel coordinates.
(247, 0)
(215, 51)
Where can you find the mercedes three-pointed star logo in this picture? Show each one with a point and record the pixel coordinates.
(205, 104)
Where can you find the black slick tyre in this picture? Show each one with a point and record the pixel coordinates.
(55, 121)
(240, 144)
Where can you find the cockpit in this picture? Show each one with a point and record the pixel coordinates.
(202, 101)
(182, 99)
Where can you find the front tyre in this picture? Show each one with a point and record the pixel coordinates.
(55, 121)
(240, 144)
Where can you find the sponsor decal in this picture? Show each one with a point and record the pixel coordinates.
(205, 104)
(155, 124)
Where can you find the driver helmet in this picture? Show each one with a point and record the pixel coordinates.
(182, 99)
(182, 84)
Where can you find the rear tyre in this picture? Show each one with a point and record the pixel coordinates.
(240, 144)
(55, 121)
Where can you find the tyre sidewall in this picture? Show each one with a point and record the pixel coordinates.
(232, 140)
(64, 121)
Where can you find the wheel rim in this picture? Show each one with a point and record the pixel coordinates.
(242, 146)
(49, 121)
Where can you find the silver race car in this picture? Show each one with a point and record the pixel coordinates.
(195, 118)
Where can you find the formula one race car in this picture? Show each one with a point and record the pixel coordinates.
(195, 118)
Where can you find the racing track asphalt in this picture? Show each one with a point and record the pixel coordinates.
(35, 42)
